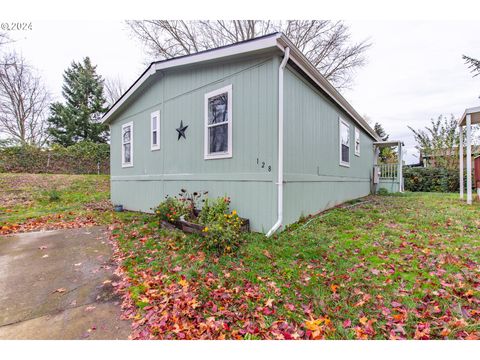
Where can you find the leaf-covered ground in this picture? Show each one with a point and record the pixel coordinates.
(30, 202)
(391, 267)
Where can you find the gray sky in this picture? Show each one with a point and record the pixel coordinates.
(414, 71)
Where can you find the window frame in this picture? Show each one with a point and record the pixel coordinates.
(129, 164)
(357, 140)
(154, 147)
(340, 123)
(220, 155)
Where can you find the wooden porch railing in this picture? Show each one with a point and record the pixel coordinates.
(388, 171)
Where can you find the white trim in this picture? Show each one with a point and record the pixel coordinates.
(277, 40)
(340, 122)
(312, 72)
(462, 183)
(223, 52)
(223, 155)
(130, 164)
(469, 158)
(357, 137)
(155, 114)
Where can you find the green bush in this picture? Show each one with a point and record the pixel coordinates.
(172, 209)
(213, 210)
(382, 191)
(82, 158)
(431, 179)
(222, 234)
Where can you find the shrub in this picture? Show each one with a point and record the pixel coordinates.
(222, 234)
(171, 209)
(382, 192)
(214, 209)
(431, 179)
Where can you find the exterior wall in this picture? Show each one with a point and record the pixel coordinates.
(179, 95)
(314, 180)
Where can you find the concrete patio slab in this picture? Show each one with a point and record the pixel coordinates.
(57, 285)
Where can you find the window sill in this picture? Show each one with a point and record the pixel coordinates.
(154, 149)
(357, 154)
(127, 165)
(347, 165)
(218, 156)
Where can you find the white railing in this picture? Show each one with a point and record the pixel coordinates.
(388, 171)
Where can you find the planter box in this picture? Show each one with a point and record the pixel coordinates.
(192, 228)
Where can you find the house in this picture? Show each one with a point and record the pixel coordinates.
(254, 120)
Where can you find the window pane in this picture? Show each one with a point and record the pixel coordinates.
(154, 123)
(218, 139)
(345, 134)
(218, 109)
(345, 153)
(154, 137)
(126, 153)
(126, 134)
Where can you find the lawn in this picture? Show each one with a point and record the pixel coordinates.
(47, 201)
(384, 267)
(387, 267)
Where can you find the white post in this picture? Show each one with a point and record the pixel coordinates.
(469, 159)
(400, 168)
(461, 162)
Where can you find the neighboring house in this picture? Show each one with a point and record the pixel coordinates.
(445, 157)
(254, 120)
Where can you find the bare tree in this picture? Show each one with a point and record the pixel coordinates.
(327, 44)
(114, 89)
(23, 102)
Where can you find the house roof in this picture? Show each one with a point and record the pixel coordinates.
(252, 46)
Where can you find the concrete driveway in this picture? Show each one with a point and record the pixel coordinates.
(57, 285)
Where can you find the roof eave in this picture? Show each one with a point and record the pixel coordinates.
(303, 63)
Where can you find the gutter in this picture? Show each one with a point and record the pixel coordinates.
(278, 224)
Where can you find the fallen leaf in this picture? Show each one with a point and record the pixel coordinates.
(60, 290)
(90, 308)
(45, 256)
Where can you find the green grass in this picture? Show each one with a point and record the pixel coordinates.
(421, 251)
(36, 198)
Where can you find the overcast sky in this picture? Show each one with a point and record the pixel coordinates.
(414, 70)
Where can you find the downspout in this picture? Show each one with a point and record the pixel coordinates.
(278, 224)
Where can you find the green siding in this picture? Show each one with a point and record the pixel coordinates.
(179, 95)
(314, 180)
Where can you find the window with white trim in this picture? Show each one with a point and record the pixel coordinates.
(357, 141)
(344, 141)
(218, 123)
(127, 144)
(155, 130)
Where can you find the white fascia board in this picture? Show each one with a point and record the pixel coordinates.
(306, 66)
(214, 54)
(149, 72)
(473, 110)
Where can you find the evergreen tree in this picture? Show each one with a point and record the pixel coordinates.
(78, 119)
(387, 154)
(378, 128)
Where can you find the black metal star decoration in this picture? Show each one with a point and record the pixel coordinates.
(181, 130)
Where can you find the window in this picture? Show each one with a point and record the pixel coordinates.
(218, 123)
(155, 130)
(344, 137)
(357, 142)
(127, 144)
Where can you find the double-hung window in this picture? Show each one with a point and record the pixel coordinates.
(127, 144)
(357, 141)
(344, 141)
(218, 124)
(155, 130)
